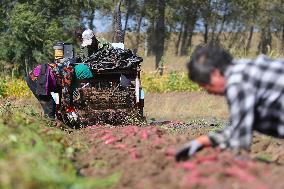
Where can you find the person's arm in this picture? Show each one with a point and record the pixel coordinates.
(241, 100)
(103, 43)
(192, 147)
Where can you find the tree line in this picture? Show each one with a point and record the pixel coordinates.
(29, 28)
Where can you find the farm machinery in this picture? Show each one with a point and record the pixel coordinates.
(111, 93)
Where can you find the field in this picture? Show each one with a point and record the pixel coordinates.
(38, 153)
(131, 152)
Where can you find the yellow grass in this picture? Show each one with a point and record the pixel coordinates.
(14, 88)
(185, 106)
(178, 63)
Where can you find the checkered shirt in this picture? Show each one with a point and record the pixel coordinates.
(255, 95)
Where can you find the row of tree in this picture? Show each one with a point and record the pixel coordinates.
(29, 28)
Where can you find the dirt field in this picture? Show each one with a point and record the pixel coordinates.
(143, 156)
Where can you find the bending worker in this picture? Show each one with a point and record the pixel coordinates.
(254, 90)
(91, 44)
(42, 82)
(47, 78)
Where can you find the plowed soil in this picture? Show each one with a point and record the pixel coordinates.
(144, 157)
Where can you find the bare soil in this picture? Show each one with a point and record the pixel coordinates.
(144, 156)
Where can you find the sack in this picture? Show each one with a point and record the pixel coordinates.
(83, 71)
(41, 88)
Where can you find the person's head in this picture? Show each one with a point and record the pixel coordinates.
(87, 37)
(78, 34)
(89, 41)
(207, 67)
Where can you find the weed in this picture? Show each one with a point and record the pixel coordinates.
(99, 164)
(264, 158)
(172, 82)
(34, 155)
(14, 88)
(151, 82)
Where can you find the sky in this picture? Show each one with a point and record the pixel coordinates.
(102, 23)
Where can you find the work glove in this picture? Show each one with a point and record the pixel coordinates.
(188, 150)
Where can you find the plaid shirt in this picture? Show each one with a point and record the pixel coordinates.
(255, 95)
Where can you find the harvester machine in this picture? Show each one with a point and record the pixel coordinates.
(113, 95)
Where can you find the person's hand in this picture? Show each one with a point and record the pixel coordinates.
(192, 147)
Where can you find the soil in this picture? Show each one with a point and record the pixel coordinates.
(144, 156)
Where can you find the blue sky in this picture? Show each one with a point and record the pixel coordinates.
(102, 23)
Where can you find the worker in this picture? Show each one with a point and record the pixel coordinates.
(78, 34)
(46, 79)
(42, 82)
(254, 90)
(91, 44)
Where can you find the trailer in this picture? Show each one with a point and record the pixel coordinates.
(113, 95)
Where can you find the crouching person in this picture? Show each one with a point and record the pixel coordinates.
(254, 90)
(42, 82)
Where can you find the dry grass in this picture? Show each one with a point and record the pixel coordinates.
(177, 63)
(173, 106)
(171, 63)
(185, 106)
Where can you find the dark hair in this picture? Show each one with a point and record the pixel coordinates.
(78, 33)
(204, 60)
(94, 47)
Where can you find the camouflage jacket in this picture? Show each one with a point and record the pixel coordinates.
(86, 51)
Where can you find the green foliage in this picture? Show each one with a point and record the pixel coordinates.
(265, 158)
(29, 28)
(153, 83)
(27, 32)
(35, 155)
(172, 82)
(31, 31)
(2, 89)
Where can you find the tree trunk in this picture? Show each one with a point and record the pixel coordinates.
(26, 67)
(248, 45)
(224, 18)
(282, 38)
(191, 31)
(187, 34)
(138, 31)
(189, 40)
(183, 50)
(117, 26)
(150, 39)
(178, 41)
(266, 39)
(91, 18)
(221, 28)
(146, 45)
(160, 32)
(213, 33)
(126, 19)
(206, 33)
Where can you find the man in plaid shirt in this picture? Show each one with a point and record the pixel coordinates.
(254, 90)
